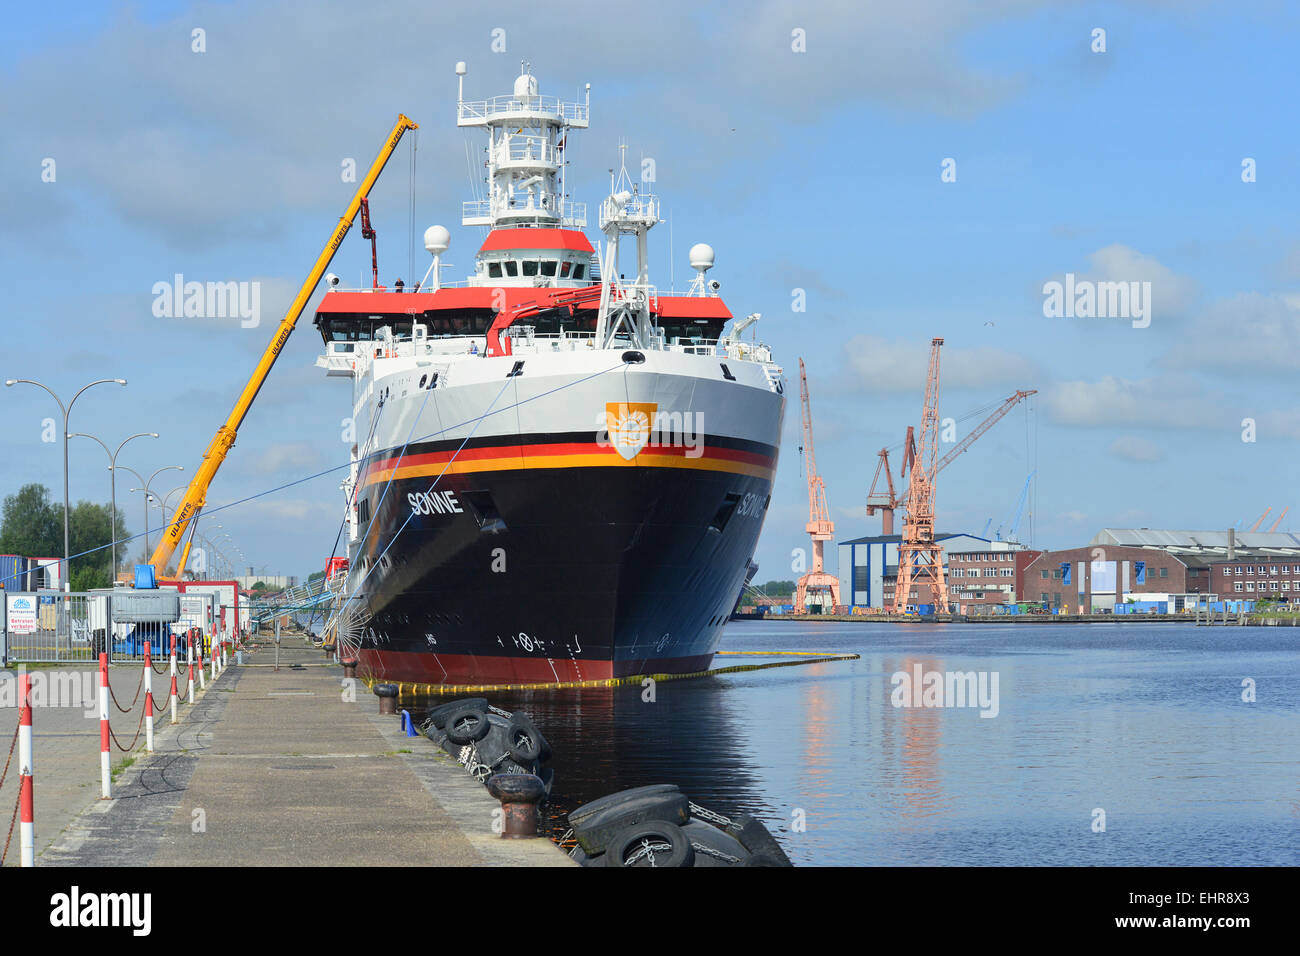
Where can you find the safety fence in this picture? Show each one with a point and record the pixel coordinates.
(60, 627)
(128, 697)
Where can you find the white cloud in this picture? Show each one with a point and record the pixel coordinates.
(1136, 449)
(1248, 332)
(879, 365)
(1112, 400)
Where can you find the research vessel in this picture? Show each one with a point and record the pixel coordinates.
(559, 471)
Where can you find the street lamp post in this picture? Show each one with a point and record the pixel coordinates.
(67, 410)
(147, 494)
(112, 470)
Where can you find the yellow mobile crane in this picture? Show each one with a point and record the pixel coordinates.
(196, 495)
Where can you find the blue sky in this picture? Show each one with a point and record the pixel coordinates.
(817, 171)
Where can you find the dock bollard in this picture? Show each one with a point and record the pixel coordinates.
(350, 667)
(387, 694)
(519, 793)
(190, 654)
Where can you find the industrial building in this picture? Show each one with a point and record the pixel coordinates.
(996, 574)
(868, 567)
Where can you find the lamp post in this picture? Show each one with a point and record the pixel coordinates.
(67, 410)
(147, 494)
(112, 470)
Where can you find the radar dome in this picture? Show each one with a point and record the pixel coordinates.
(437, 239)
(701, 255)
(526, 85)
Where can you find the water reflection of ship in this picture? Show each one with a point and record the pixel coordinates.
(610, 739)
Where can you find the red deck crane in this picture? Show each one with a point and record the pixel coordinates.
(820, 527)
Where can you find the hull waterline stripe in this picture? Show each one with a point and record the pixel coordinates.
(440, 690)
(516, 463)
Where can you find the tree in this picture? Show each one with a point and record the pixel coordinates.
(32, 526)
(777, 588)
(315, 576)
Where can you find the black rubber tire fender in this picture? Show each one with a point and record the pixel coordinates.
(755, 838)
(596, 824)
(702, 834)
(466, 725)
(523, 740)
(438, 716)
(679, 851)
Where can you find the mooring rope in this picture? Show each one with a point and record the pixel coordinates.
(442, 690)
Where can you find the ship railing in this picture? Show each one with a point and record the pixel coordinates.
(528, 149)
(479, 112)
(641, 208)
(484, 212)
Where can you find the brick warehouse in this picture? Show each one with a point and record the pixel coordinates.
(1258, 576)
(987, 577)
(1097, 577)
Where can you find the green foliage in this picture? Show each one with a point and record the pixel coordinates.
(258, 586)
(89, 578)
(315, 576)
(777, 588)
(32, 526)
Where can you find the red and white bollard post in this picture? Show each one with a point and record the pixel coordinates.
(148, 698)
(26, 797)
(225, 657)
(203, 680)
(173, 700)
(216, 657)
(189, 653)
(105, 782)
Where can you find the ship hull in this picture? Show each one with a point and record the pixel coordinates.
(558, 567)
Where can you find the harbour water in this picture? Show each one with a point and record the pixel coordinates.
(1145, 723)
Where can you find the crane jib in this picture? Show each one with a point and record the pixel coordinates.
(224, 440)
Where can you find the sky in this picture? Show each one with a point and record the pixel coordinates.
(905, 170)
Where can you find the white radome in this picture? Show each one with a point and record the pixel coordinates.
(437, 239)
(701, 256)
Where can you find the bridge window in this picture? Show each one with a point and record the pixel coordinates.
(578, 269)
(565, 266)
(512, 268)
(548, 267)
(530, 267)
(494, 270)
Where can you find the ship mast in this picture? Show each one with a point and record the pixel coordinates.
(527, 135)
(623, 305)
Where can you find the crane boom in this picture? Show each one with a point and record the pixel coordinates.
(982, 427)
(197, 492)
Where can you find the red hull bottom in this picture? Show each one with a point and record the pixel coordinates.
(398, 666)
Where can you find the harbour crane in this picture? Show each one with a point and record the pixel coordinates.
(888, 502)
(1279, 519)
(1019, 513)
(196, 494)
(920, 559)
(820, 527)
(1255, 526)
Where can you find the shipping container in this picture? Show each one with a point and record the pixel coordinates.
(13, 572)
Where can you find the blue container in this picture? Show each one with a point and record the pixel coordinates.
(925, 609)
(13, 572)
